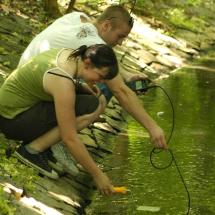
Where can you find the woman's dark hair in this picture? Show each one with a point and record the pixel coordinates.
(100, 55)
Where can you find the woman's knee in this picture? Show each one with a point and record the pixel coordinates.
(86, 104)
(93, 104)
(102, 103)
(99, 104)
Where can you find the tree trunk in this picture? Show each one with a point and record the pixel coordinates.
(71, 6)
(51, 7)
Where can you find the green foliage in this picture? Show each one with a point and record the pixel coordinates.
(3, 51)
(188, 14)
(6, 206)
(178, 18)
(193, 2)
(22, 175)
(7, 63)
(142, 3)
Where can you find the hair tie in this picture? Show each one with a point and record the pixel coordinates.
(82, 50)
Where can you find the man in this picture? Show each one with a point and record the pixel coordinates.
(76, 29)
(111, 27)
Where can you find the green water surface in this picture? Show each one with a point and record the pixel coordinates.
(193, 145)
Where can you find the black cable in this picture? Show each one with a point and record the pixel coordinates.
(157, 151)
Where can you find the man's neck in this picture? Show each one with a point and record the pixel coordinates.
(97, 25)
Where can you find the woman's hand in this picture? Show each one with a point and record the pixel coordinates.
(103, 184)
(96, 90)
(91, 88)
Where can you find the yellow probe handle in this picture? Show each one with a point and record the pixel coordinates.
(122, 190)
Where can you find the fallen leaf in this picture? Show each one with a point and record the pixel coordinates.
(5, 9)
(148, 208)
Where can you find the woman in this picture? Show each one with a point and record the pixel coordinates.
(43, 101)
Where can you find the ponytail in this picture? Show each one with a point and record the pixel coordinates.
(78, 52)
(100, 56)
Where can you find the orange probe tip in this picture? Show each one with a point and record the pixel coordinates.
(122, 190)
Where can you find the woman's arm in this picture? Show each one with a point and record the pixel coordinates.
(63, 92)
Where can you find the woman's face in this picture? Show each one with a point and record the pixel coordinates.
(94, 75)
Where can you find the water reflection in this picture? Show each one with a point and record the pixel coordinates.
(193, 144)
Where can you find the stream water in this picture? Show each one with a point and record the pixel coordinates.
(193, 145)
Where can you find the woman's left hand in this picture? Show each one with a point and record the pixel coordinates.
(92, 89)
(96, 90)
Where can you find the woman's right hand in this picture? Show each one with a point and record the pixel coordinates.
(103, 184)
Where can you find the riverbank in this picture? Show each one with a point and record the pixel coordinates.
(149, 49)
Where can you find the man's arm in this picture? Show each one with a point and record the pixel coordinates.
(130, 102)
(130, 75)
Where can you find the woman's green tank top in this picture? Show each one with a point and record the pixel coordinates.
(24, 87)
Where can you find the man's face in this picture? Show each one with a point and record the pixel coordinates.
(115, 35)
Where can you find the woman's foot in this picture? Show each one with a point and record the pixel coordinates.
(37, 160)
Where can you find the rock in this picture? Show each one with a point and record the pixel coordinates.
(157, 48)
(191, 38)
(204, 45)
(159, 68)
(87, 140)
(145, 56)
(113, 114)
(169, 60)
(184, 54)
(132, 62)
(105, 127)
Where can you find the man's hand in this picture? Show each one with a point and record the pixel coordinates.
(136, 77)
(158, 138)
(131, 75)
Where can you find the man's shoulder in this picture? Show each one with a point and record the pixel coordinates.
(87, 30)
(77, 16)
